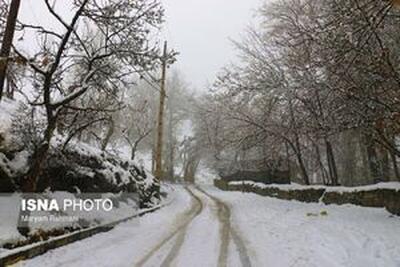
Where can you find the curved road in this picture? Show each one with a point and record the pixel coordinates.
(194, 230)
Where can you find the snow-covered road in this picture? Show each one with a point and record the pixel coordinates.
(204, 226)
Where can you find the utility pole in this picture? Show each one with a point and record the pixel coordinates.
(7, 41)
(160, 126)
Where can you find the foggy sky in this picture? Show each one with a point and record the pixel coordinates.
(200, 31)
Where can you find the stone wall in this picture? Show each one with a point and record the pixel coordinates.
(266, 177)
(379, 198)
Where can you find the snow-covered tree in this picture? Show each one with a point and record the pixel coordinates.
(100, 49)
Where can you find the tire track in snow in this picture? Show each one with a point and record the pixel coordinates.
(224, 215)
(179, 232)
(181, 235)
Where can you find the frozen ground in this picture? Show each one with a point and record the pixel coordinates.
(10, 206)
(216, 228)
(124, 245)
(290, 233)
(294, 186)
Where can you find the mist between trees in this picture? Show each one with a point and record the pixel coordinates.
(316, 92)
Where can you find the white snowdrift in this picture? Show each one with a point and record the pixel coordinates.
(293, 186)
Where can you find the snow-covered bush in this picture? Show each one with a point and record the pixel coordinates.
(72, 168)
(92, 170)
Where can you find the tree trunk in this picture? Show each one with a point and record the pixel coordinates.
(395, 166)
(288, 160)
(297, 147)
(299, 156)
(110, 132)
(133, 151)
(11, 86)
(385, 169)
(303, 169)
(7, 41)
(170, 165)
(191, 169)
(331, 163)
(373, 159)
(324, 173)
(297, 151)
(153, 160)
(29, 184)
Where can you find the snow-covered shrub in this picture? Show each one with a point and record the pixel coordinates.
(88, 169)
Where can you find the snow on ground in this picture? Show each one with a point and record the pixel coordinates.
(122, 246)
(197, 244)
(122, 209)
(201, 247)
(294, 186)
(142, 158)
(291, 233)
(9, 211)
(275, 233)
